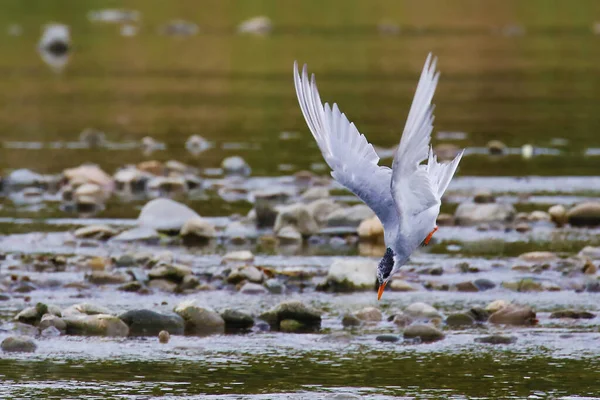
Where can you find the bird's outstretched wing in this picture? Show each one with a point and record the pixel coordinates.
(415, 187)
(352, 159)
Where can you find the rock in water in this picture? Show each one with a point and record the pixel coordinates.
(235, 166)
(151, 323)
(200, 321)
(558, 214)
(351, 216)
(261, 25)
(514, 315)
(387, 338)
(236, 321)
(164, 337)
(459, 320)
(197, 231)
(572, 314)
(15, 344)
(369, 314)
(96, 325)
(427, 333)
(293, 310)
(49, 320)
(253, 288)
(496, 339)
(165, 215)
(371, 230)
(585, 214)
(422, 310)
(347, 275)
(473, 213)
(297, 216)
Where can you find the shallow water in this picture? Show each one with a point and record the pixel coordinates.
(524, 73)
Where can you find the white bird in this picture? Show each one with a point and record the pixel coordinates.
(407, 197)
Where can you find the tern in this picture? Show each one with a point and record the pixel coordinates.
(407, 197)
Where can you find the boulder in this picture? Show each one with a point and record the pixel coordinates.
(107, 278)
(591, 252)
(197, 231)
(250, 273)
(18, 344)
(289, 235)
(425, 332)
(421, 310)
(50, 320)
(350, 320)
(171, 272)
(315, 193)
(473, 213)
(200, 321)
(235, 165)
(33, 315)
(297, 216)
(236, 321)
(514, 315)
(369, 314)
(320, 209)
(539, 256)
(585, 214)
(348, 275)
(98, 232)
(558, 214)
(96, 325)
(150, 323)
(140, 234)
(165, 215)
(253, 288)
(265, 205)
(241, 256)
(294, 310)
(350, 216)
(371, 230)
(496, 305)
(572, 314)
(457, 320)
(496, 339)
(85, 309)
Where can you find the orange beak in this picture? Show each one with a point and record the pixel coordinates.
(380, 290)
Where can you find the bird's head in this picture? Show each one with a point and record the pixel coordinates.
(384, 270)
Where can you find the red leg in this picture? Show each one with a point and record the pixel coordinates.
(428, 238)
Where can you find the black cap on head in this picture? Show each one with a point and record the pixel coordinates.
(385, 265)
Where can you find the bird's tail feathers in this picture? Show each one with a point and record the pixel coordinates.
(441, 173)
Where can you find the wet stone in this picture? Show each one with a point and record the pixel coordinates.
(457, 320)
(496, 339)
(387, 338)
(347, 275)
(253, 288)
(514, 315)
(49, 320)
(96, 325)
(164, 337)
(295, 310)
(426, 333)
(151, 323)
(349, 320)
(572, 314)
(274, 286)
(483, 284)
(236, 321)
(200, 321)
(18, 344)
(369, 314)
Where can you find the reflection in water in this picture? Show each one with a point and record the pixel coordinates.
(54, 46)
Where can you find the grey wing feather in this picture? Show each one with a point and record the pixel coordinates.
(351, 157)
(416, 187)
